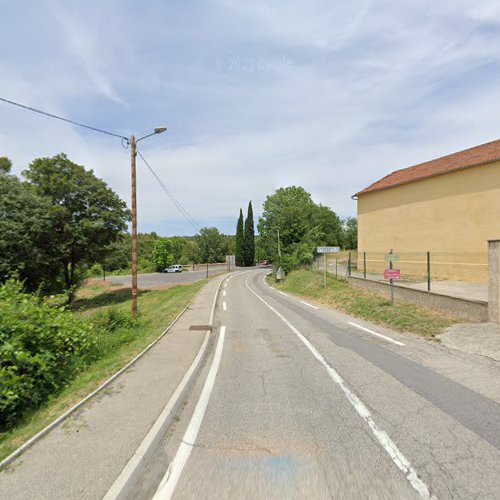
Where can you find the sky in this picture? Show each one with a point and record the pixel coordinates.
(257, 95)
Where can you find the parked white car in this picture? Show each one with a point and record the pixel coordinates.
(177, 268)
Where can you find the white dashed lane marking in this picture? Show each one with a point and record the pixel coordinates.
(397, 342)
(309, 305)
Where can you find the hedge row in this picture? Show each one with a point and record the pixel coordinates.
(41, 349)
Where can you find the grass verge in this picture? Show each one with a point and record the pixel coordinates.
(120, 341)
(364, 304)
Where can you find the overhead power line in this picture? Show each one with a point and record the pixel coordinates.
(177, 204)
(67, 120)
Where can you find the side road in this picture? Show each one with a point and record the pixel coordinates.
(84, 455)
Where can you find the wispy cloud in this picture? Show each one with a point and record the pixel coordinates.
(256, 95)
(84, 46)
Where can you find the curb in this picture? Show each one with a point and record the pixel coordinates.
(125, 482)
(28, 444)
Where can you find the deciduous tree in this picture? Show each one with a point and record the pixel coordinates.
(302, 225)
(350, 236)
(211, 244)
(163, 254)
(5, 164)
(26, 244)
(86, 215)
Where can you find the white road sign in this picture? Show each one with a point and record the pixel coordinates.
(328, 250)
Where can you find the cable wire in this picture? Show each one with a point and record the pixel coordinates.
(39, 111)
(177, 204)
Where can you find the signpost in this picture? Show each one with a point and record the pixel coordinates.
(391, 257)
(328, 250)
(392, 274)
(324, 251)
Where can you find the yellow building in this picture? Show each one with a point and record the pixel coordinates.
(449, 207)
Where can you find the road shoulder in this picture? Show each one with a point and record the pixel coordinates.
(473, 370)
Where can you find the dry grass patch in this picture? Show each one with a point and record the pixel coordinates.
(339, 294)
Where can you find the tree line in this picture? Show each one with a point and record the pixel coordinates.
(60, 223)
(303, 225)
(155, 252)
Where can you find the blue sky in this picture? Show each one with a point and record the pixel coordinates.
(257, 95)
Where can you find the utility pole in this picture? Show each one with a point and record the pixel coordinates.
(228, 255)
(279, 248)
(133, 155)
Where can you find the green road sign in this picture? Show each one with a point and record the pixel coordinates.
(391, 257)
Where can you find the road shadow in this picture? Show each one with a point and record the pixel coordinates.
(106, 298)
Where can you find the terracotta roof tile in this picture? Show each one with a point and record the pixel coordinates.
(479, 155)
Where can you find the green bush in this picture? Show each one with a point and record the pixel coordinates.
(301, 256)
(112, 319)
(94, 271)
(41, 349)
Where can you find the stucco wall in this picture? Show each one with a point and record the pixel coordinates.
(452, 216)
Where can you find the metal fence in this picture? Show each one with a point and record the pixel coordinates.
(415, 267)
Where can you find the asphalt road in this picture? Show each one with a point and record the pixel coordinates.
(152, 280)
(297, 403)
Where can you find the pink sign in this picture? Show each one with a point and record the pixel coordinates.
(392, 274)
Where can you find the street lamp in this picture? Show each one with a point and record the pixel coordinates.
(133, 155)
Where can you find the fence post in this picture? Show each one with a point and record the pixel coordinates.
(494, 281)
(428, 271)
(391, 281)
(336, 273)
(364, 264)
(324, 274)
(349, 264)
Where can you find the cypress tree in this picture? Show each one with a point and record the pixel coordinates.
(240, 243)
(249, 240)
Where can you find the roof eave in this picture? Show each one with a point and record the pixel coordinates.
(425, 177)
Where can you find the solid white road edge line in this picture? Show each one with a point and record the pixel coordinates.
(124, 483)
(224, 306)
(382, 437)
(171, 478)
(272, 288)
(307, 304)
(397, 342)
(136, 465)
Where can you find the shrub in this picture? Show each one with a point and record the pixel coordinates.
(41, 349)
(94, 270)
(301, 256)
(112, 319)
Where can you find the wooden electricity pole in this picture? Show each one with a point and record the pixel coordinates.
(133, 154)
